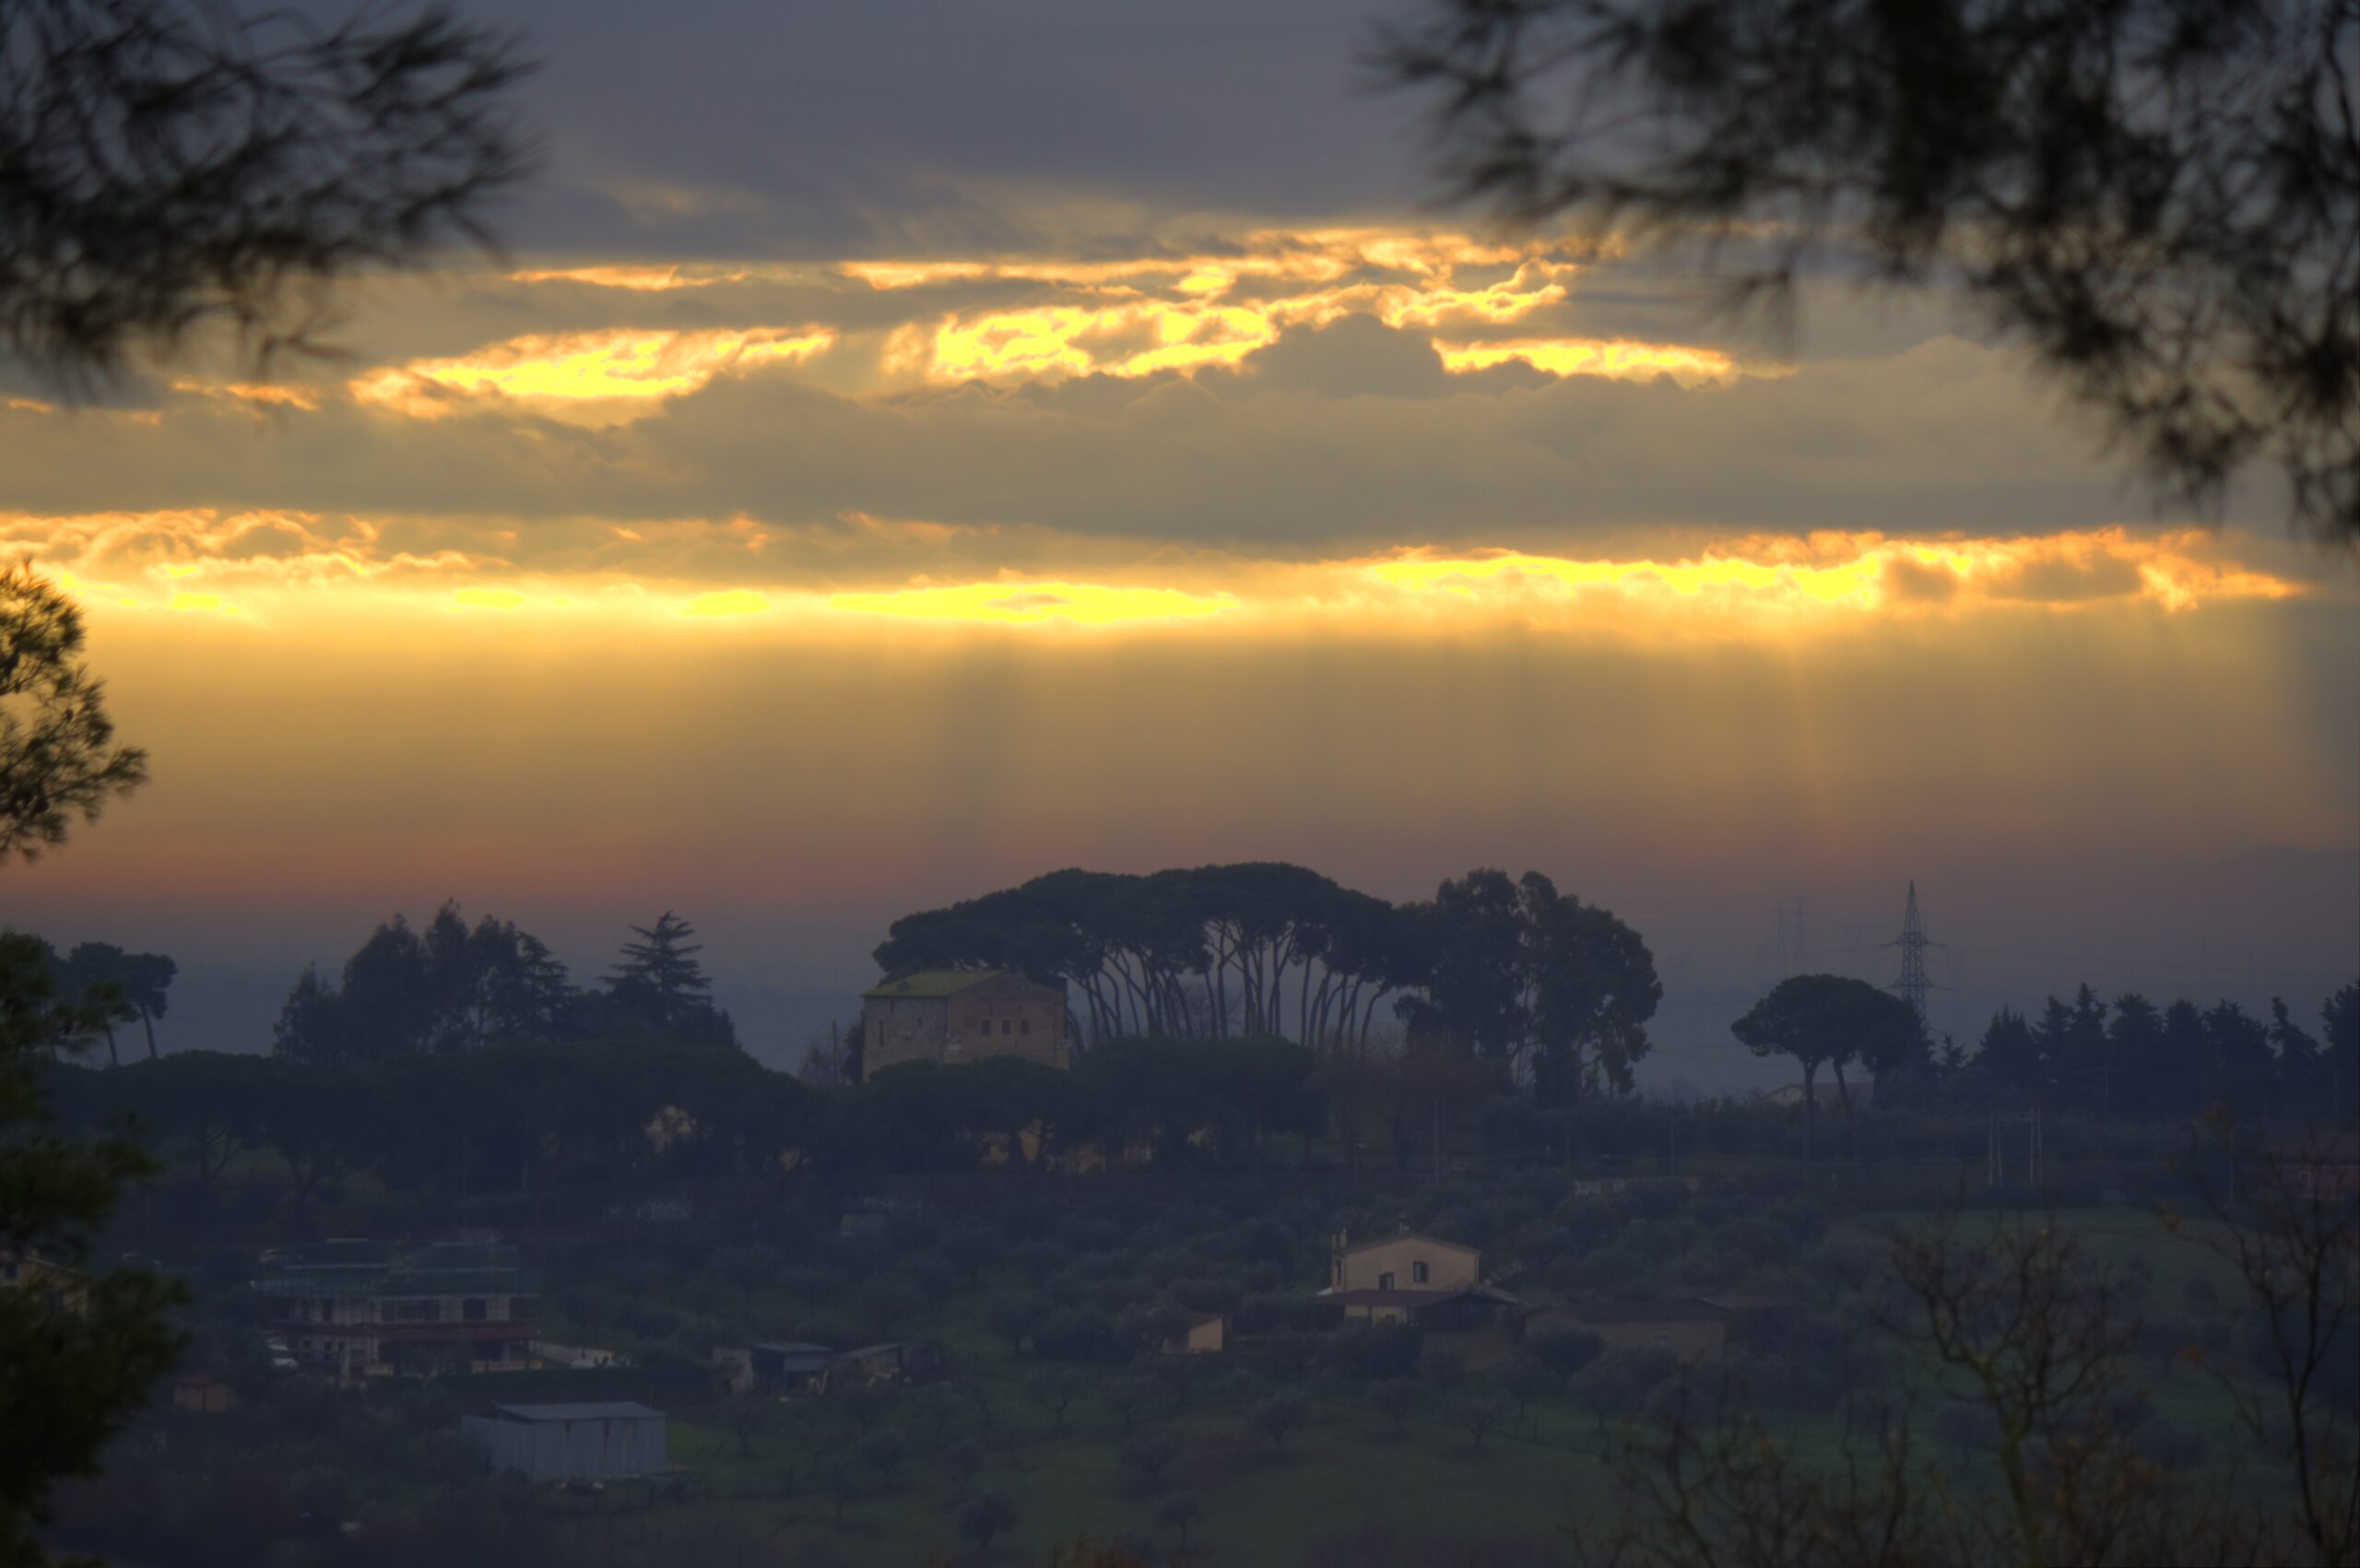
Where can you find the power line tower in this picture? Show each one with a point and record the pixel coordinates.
(1913, 983)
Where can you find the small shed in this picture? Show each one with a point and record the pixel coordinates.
(550, 1444)
(915, 1361)
(792, 1367)
(1203, 1334)
(201, 1393)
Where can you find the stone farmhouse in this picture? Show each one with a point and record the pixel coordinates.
(962, 1015)
(1417, 1280)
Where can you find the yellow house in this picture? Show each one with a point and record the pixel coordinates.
(1405, 1262)
(1410, 1278)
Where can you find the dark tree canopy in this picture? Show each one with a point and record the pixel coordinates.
(166, 163)
(129, 985)
(1830, 1020)
(458, 989)
(2159, 198)
(58, 759)
(1261, 947)
(70, 1375)
(1517, 972)
(2132, 1060)
(1513, 974)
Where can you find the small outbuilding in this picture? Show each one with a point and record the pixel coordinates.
(912, 1361)
(793, 1366)
(203, 1394)
(550, 1443)
(1202, 1334)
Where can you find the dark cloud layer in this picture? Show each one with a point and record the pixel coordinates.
(719, 129)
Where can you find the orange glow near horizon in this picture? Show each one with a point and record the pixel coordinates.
(1034, 604)
(298, 567)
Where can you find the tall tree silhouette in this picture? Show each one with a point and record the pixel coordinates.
(1828, 1020)
(2160, 199)
(140, 983)
(69, 1376)
(659, 975)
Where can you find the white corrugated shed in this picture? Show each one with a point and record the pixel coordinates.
(571, 1443)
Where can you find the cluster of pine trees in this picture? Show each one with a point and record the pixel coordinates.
(453, 988)
(2132, 1061)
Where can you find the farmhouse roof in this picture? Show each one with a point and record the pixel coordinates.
(1396, 1236)
(613, 1409)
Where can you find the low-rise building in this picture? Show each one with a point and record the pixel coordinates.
(55, 1287)
(355, 1309)
(961, 1015)
(587, 1442)
(1201, 1334)
(784, 1368)
(203, 1394)
(1407, 1260)
(1409, 1278)
(897, 1361)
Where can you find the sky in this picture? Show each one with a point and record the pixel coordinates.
(904, 449)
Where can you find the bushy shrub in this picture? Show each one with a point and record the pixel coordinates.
(986, 1516)
(1565, 1350)
(935, 1275)
(1367, 1352)
(1276, 1417)
(1075, 1333)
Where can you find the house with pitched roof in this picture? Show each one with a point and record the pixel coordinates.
(961, 1015)
(1409, 1278)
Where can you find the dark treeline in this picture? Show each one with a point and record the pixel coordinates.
(2134, 1060)
(455, 988)
(122, 987)
(524, 1119)
(1547, 990)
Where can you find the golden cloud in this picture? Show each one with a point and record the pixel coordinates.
(1619, 359)
(596, 377)
(656, 279)
(1184, 313)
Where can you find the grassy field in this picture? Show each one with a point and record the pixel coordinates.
(1345, 1488)
(1343, 1476)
